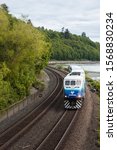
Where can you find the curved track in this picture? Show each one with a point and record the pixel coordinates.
(45, 127)
(13, 132)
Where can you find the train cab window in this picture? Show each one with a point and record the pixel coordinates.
(67, 82)
(72, 82)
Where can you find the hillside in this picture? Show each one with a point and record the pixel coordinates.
(68, 46)
(24, 51)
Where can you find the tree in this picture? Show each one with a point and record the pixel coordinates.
(24, 18)
(83, 34)
(73, 48)
(62, 30)
(4, 7)
(29, 22)
(67, 34)
(24, 51)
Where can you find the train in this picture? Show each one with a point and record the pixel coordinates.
(74, 87)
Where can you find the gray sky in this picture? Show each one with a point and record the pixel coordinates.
(76, 15)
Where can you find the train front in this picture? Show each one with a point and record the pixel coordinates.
(74, 92)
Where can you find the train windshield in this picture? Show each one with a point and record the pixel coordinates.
(67, 82)
(73, 82)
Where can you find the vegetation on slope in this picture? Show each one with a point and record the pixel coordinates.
(24, 51)
(68, 46)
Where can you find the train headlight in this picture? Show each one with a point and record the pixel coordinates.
(79, 96)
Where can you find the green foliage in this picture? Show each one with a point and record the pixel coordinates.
(39, 85)
(24, 51)
(59, 66)
(83, 34)
(93, 84)
(5, 88)
(4, 7)
(67, 46)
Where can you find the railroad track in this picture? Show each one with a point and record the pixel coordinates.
(55, 138)
(13, 132)
(57, 132)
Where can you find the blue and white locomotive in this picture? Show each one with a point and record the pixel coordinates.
(74, 88)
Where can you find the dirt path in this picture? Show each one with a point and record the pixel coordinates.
(84, 136)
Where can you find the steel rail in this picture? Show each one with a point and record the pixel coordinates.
(54, 140)
(8, 137)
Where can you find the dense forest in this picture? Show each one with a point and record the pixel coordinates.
(68, 46)
(25, 50)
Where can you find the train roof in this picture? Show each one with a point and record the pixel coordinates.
(73, 77)
(77, 72)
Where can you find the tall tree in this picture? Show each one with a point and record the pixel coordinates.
(67, 34)
(4, 7)
(29, 22)
(24, 51)
(83, 34)
(62, 30)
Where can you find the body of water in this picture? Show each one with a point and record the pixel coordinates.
(92, 69)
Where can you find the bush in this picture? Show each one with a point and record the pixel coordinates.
(95, 85)
(39, 85)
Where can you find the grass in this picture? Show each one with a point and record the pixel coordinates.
(94, 85)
